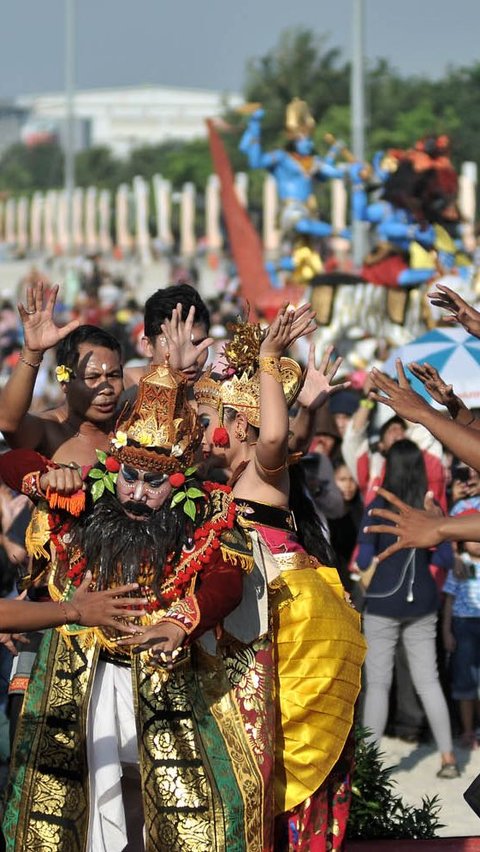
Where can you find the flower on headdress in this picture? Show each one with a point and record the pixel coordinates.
(120, 439)
(176, 480)
(145, 439)
(176, 450)
(63, 373)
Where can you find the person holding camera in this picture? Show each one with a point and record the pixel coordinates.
(461, 628)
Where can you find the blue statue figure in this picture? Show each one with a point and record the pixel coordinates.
(294, 168)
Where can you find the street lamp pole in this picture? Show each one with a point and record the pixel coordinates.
(69, 173)
(357, 102)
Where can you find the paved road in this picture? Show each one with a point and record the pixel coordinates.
(415, 773)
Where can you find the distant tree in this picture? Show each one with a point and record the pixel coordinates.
(98, 167)
(24, 169)
(300, 65)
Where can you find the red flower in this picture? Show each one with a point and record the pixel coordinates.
(112, 465)
(176, 480)
(220, 437)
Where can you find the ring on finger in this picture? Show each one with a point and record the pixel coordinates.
(34, 311)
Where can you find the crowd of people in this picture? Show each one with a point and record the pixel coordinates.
(197, 514)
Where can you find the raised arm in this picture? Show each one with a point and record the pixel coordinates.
(462, 441)
(40, 333)
(272, 446)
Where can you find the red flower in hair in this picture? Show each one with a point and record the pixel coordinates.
(112, 465)
(176, 480)
(220, 437)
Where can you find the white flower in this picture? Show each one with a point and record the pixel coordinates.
(176, 450)
(120, 440)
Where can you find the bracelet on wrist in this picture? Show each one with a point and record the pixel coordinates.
(270, 364)
(367, 403)
(33, 364)
(72, 617)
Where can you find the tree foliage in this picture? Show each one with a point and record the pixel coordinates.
(400, 109)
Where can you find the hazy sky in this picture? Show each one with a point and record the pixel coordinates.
(206, 43)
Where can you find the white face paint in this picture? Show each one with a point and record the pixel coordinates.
(104, 367)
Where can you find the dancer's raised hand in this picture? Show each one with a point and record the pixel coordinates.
(183, 351)
(317, 385)
(39, 329)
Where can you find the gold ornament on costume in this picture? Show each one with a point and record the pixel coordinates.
(161, 432)
(299, 121)
(241, 390)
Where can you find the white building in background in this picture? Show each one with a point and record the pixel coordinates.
(128, 118)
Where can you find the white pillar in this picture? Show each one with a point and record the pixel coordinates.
(241, 188)
(142, 236)
(10, 222)
(49, 235)
(188, 242)
(467, 190)
(162, 192)
(62, 241)
(22, 225)
(104, 217)
(271, 234)
(91, 238)
(77, 217)
(122, 231)
(36, 216)
(213, 207)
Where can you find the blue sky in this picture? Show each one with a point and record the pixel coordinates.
(206, 43)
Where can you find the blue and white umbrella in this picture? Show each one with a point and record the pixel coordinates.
(453, 352)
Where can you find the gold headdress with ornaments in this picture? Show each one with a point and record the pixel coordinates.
(240, 388)
(161, 432)
(299, 121)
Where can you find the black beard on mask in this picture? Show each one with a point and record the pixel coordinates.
(111, 541)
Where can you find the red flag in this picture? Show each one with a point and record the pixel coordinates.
(244, 241)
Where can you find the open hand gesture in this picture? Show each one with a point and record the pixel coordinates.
(286, 328)
(459, 310)
(317, 385)
(412, 527)
(39, 329)
(183, 353)
(104, 609)
(404, 401)
(433, 383)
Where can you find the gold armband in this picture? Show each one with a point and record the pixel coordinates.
(270, 364)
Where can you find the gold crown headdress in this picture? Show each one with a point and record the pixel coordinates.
(161, 432)
(299, 121)
(240, 389)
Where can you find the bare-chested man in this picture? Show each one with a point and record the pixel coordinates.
(92, 384)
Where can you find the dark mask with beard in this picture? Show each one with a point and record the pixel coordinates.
(118, 548)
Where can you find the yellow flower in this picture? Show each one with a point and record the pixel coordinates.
(145, 439)
(120, 439)
(63, 373)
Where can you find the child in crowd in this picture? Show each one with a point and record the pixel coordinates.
(461, 628)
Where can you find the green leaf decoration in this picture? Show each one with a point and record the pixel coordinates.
(178, 497)
(98, 488)
(109, 484)
(194, 492)
(101, 456)
(95, 473)
(190, 471)
(190, 509)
